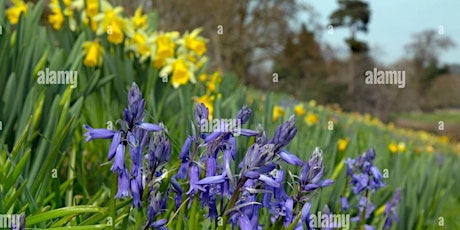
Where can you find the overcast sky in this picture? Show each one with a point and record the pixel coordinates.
(393, 23)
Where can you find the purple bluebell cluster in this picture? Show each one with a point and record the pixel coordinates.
(365, 179)
(138, 137)
(240, 194)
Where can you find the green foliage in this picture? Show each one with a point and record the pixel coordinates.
(48, 172)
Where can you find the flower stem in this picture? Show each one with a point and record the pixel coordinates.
(232, 201)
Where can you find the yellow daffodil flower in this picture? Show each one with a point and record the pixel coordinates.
(92, 8)
(393, 147)
(311, 119)
(94, 54)
(299, 110)
(203, 77)
(181, 72)
(195, 43)
(342, 144)
(278, 112)
(139, 20)
(401, 147)
(14, 12)
(165, 49)
(139, 40)
(56, 19)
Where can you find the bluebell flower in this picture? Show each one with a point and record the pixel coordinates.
(148, 126)
(288, 218)
(390, 209)
(244, 223)
(290, 158)
(285, 133)
(115, 144)
(365, 178)
(194, 177)
(201, 113)
(244, 114)
(134, 134)
(311, 173)
(119, 162)
(123, 185)
(93, 133)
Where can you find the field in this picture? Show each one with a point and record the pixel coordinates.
(124, 148)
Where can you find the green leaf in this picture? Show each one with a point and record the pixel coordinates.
(61, 212)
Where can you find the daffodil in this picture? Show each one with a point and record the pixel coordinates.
(115, 33)
(401, 147)
(203, 77)
(113, 24)
(278, 112)
(194, 42)
(311, 119)
(165, 48)
(56, 19)
(181, 72)
(92, 8)
(213, 81)
(67, 3)
(89, 14)
(393, 147)
(299, 110)
(70, 7)
(444, 139)
(93, 54)
(139, 42)
(139, 20)
(429, 149)
(342, 144)
(14, 12)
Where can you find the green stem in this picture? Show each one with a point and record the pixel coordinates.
(232, 201)
(112, 207)
(363, 213)
(70, 176)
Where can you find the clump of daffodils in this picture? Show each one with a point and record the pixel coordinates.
(178, 58)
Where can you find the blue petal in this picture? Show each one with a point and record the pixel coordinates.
(211, 180)
(113, 147)
(268, 180)
(244, 223)
(119, 162)
(290, 158)
(252, 174)
(97, 133)
(248, 132)
(148, 126)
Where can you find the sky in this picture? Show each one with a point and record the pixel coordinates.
(393, 24)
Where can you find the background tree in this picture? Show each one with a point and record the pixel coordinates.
(355, 15)
(425, 49)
